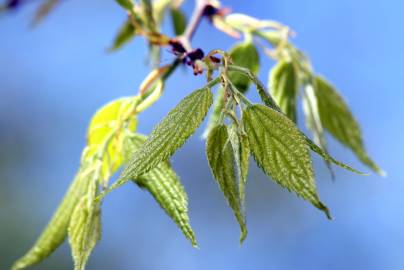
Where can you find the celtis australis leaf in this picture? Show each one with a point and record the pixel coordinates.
(339, 121)
(284, 86)
(165, 186)
(55, 232)
(85, 227)
(179, 21)
(244, 54)
(125, 34)
(221, 161)
(169, 135)
(281, 151)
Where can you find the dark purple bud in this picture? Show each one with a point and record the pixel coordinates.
(196, 54)
(177, 47)
(210, 10)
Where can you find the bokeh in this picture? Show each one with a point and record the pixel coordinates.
(53, 78)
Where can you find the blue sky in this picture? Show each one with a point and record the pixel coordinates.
(54, 77)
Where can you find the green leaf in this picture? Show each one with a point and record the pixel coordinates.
(244, 54)
(179, 21)
(281, 151)
(284, 85)
(125, 34)
(165, 186)
(55, 232)
(169, 135)
(339, 121)
(214, 117)
(126, 4)
(221, 161)
(313, 122)
(85, 227)
(102, 132)
(241, 153)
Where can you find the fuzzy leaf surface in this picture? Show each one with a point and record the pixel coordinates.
(169, 135)
(281, 151)
(221, 161)
(165, 186)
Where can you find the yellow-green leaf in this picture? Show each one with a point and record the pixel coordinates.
(125, 34)
(102, 132)
(339, 121)
(214, 117)
(244, 54)
(55, 232)
(85, 227)
(281, 151)
(165, 186)
(284, 86)
(169, 135)
(221, 161)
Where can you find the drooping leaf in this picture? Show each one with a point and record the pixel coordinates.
(44, 10)
(281, 151)
(103, 130)
(179, 21)
(125, 34)
(55, 232)
(313, 122)
(165, 186)
(85, 227)
(241, 153)
(218, 105)
(284, 85)
(221, 161)
(339, 121)
(169, 135)
(244, 54)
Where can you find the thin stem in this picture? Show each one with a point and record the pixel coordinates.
(196, 18)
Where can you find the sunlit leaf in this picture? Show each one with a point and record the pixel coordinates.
(281, 151)
(218, 105)
(244, 54)
(56, 230)
(126, 4)
(102, 131)
(339, 121)
(85, 227)
(125, 34)
(169, 135)
(284, 86)
(165, 186)
(179, 21)
(221, 161)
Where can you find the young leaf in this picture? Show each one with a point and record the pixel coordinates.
(281, 151)
(165, 186)
(244, 54)
(85, 227)
(55, 232)
(339, 121)
(284, 85)
(169, 135)
(218, 105)
(179, 21)
(102, 131)
(221, 162)
(241, 152)
(313, 122)
(125, 34)
(126, 4)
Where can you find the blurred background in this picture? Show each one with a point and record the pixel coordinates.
(54, 77)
